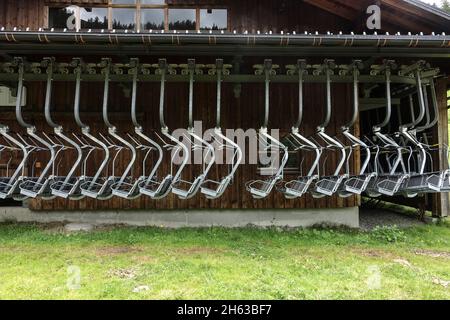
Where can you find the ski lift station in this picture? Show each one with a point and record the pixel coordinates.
(222, 112)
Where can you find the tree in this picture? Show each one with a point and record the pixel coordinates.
(446, 5)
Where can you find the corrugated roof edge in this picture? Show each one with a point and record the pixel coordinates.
(430, 8)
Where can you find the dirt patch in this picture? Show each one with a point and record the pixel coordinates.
(199, 250)
(432, 254)
(371, 218)
(143, 259)
(112, 251)
(53, 228)
(404, 263)
(123, 273)
(442, 283)
(372, 253)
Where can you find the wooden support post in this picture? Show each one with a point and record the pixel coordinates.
(441, 202)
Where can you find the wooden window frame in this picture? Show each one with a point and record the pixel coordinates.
(138, 6)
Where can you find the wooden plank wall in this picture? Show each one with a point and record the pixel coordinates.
(23, 13)
(441, 202)
(244, 112)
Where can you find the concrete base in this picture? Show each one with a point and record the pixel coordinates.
(192, 218)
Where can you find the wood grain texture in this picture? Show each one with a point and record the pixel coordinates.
(244, 112)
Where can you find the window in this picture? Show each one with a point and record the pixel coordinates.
(152, 19)
(213, 19)
(123, 1)
(123, 18)
(138, 15)
(182, 19)
(62, 18)
(154, 2)
(448, 98)
(94, 18)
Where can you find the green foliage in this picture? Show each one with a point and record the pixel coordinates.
(446, 5)
(389, 234)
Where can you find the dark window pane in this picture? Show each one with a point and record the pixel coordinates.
(213, 19)
(94, 18)
(123, 1)
(182, 19)
(153, 2)
(123, 18)
(152, 19)
(62, 18)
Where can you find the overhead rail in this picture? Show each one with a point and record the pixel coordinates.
(277, 152)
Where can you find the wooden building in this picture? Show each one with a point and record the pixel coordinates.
(243, 33)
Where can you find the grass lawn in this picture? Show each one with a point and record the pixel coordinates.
(148, 263)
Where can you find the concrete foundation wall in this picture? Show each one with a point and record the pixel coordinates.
(192, 218)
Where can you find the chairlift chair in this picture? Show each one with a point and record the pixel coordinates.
(125, 187)
(98, 186)
(210, 188)
(37, 186)
(261, 189)
(152, 186)
(356, 184)
(67, 187)
(420, 181)
(187, 189)
(300, 186)
(387, 183)
(9, 184)
(329, 185)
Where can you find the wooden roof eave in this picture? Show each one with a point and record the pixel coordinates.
(415, 18)
(51, 42)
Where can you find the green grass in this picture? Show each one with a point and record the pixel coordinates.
(215, 263)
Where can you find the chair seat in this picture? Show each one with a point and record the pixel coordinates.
(96, 190)
(185, 189)
(126, 190)
(214, 189)
(30, 187)
(262, 188)
(357, 184)
(67, 189)
(389, 185)
(6, 188)
(156, 189)
(328, 186)
(423, 183)
(299, 187)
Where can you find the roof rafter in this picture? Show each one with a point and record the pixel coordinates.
(335, 8)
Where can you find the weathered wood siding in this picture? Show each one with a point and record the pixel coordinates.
(244, 112)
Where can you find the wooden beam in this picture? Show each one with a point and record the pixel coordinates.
(367, 104)
(405, 22)
(334, 8)
(418, 13)
(441, 202)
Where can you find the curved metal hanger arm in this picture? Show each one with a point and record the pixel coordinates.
(387, 69)
(421, 98)
(48, 95)
(134, 63)
(77, 63)
(301, 65)
(267, 70)
(163, 70)
(219, 71)
(106, 63)
(433, 122)
(327, 69)
(354, 118)
(19, 116)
